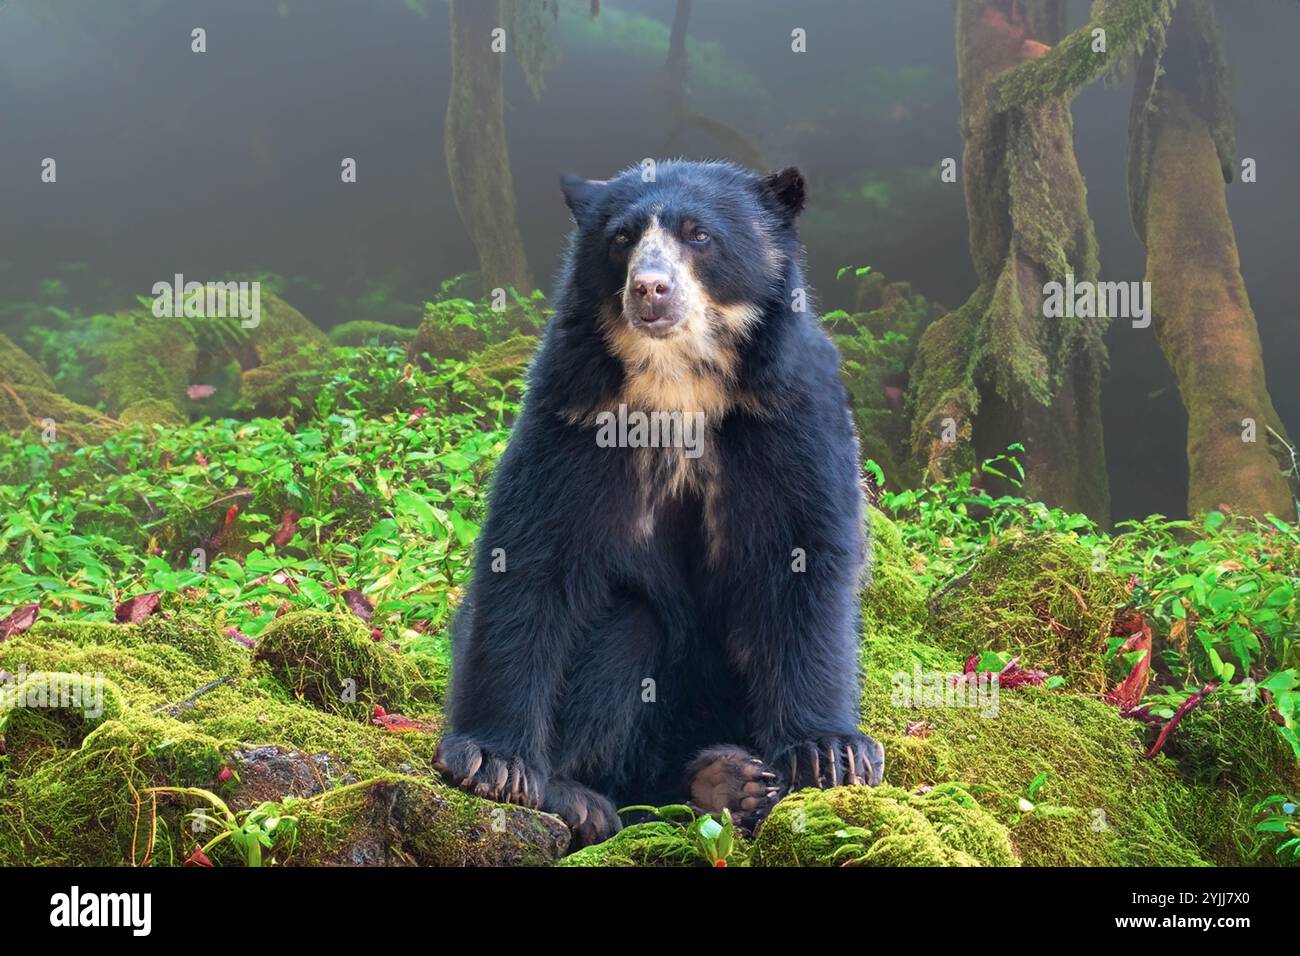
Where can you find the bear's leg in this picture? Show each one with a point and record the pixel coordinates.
(727, 777)
(613, 720)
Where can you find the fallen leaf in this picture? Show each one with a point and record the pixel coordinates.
(397, 724)
(19, 620)
(1129, 692)
(136, 609)
(235, 634)
(359, 604)
(197, 858)
(288, 528)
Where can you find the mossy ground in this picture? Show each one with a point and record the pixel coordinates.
(1044, 598)
(882, 826)
(179, 697)
(1103, 802)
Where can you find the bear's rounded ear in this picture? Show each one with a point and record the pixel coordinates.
(788, 190)
(579, 193)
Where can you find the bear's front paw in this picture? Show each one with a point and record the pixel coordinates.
(835, 760)
(485, 773)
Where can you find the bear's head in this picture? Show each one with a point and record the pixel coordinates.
(683, 259)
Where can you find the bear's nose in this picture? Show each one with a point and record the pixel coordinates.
(652, 286)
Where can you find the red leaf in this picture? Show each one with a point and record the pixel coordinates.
(288, 528)
(359, 605)
(197, 858)
(195, 392)
(1129, 692)
(1183, 710)
(226, 774)
(397, 724)
(19, 620)
(235, 634)
(1011, 676)
(136, 609)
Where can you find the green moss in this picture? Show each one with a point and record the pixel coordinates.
(1104, 803)
(881, 826)
(151, 411)
(152, 361)
(395, 819)
(655, 843)
(19, 368)
(178, 697)
(1038, 597)
(895, 601)
(282, 360)
(333, 662)
(28, 407)
(440, 339)
(1230, 752)
(366, 332)
(502, 363)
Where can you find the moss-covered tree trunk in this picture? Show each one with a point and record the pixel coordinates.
(1181, 151)
(998, 370)
(478, 160)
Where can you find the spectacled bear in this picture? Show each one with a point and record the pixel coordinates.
(668, 611)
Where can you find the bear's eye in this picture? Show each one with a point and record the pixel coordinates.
(699, 235)
(621, 238)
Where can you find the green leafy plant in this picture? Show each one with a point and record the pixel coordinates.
(267, 828)
(714, 837)
(1279, 817)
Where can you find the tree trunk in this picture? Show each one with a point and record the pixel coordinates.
(478, 159)
(997, 371)
(1180, 154)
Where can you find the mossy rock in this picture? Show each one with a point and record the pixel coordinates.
(183, 702)
(153, 361)
(881, 826)
(333, 662)
(361, 332)
(54, 709)
(282, 359)
(1229, 751)
(29, 407)
(19, 368)
(1103, 802)
(390, 820)
(152, 411)
(894, 601)
(280, 323)
(439, 339)
(502, 362)
(1040, 598)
